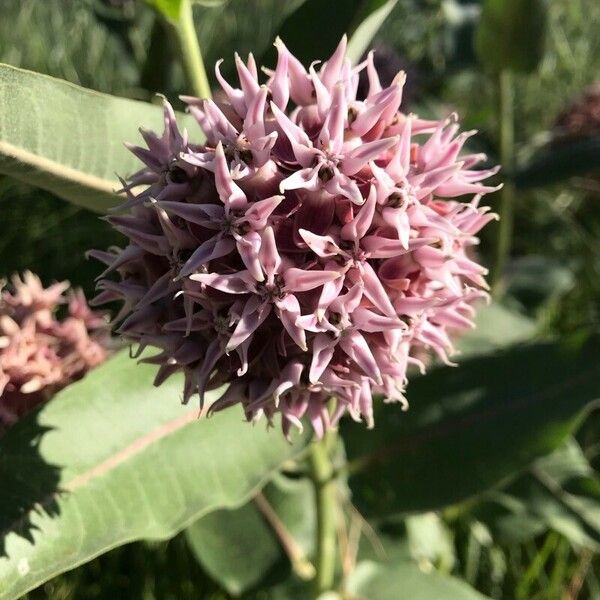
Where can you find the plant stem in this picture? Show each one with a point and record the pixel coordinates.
(300, 564)
(323, 477)
(190, 51)
(507, 143)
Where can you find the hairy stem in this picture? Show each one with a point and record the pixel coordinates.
(323, 477)
(190, 51)
(507, 198)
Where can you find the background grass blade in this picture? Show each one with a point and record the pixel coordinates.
(327, 22)
(367, 23)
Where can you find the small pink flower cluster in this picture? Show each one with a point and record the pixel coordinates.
(308, 251)
(39, 354)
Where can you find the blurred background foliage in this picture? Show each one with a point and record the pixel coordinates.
(553, 275)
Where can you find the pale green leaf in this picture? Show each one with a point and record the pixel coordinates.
(496, 327)
(372, 17)
(112, 459)
(240, 547)
(70, 140)
(169, 9)
(430, 541)
(391, 581)
(210, 3)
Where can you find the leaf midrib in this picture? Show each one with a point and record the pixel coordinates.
(56, 169)
(109, 463)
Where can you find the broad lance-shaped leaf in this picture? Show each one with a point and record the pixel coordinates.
(112, 459)
(471, 427)
(366, 24)
(257, 544)
(169, 9)
(172, 9)
(70, 140)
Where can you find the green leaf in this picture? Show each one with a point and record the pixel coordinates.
(239, 548)
(471, 427)
(327, 22)
(559, 161)
(430, 541)
(367, 24)
(537, 279)
(511, 34)
(169, 9)
(112, 459)
(560, 492)
(372, 581)
(69, 140)
(496, 327)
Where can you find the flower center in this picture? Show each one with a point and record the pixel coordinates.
(240, 150)
(178, 258)
(396, 200)
(272, 291)
(326, 173)
(221, 325)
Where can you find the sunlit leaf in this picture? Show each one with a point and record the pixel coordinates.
(112, 459)
(430, 540)
(240, 547)
(170, 9)
(496, 327)
(366, 24)
(70, 140)
(391, 581)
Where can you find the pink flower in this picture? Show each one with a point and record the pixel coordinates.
(39, 354)
(310, 251)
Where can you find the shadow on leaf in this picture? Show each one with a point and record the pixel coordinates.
(29, 484)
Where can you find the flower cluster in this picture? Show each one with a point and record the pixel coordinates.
(308, 251)
(40, 354)
(581, 118)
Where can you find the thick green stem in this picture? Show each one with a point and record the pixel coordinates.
(323, 477)
(507, 144)
(190, 51)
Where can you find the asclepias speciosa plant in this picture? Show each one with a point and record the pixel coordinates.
(299, 257)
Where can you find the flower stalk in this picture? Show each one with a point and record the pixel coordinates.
(324, 481)
(507, 198)
(191, 52)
